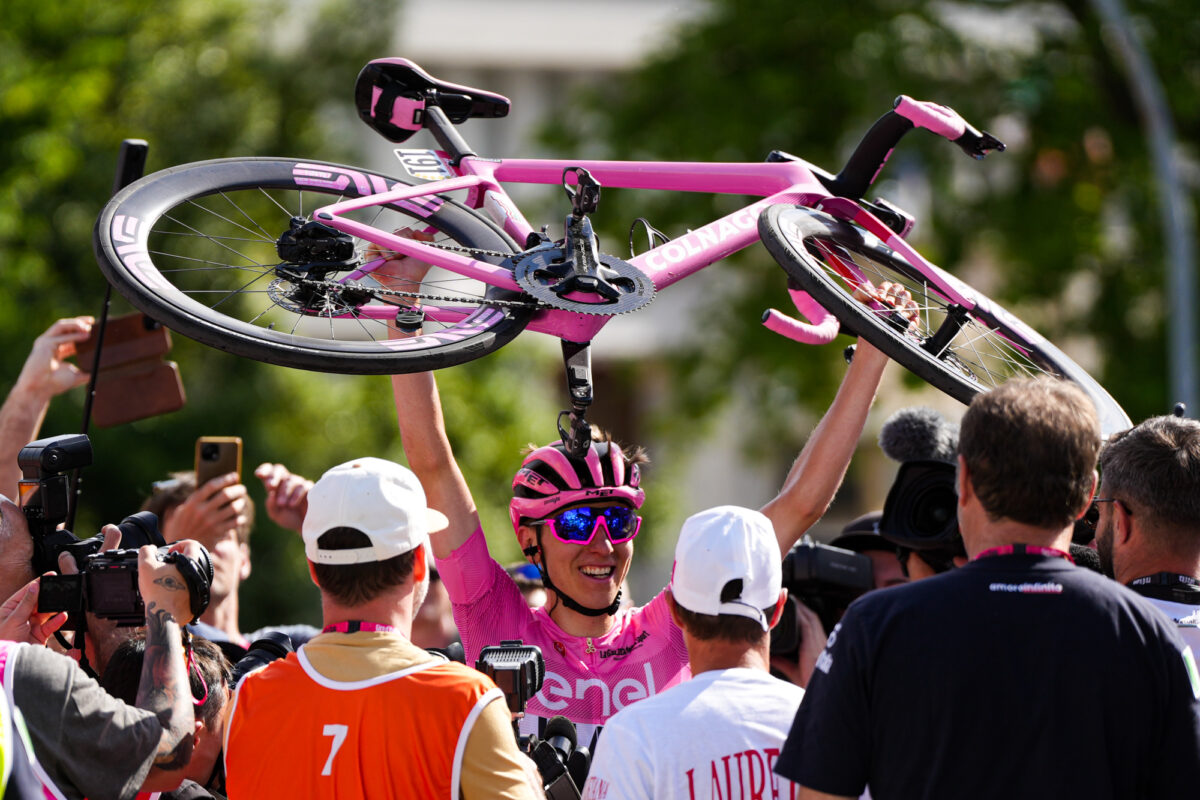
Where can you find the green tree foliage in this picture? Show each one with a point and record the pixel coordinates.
(204, 79)
(1063, 228)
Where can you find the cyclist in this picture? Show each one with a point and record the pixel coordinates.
(575, 518)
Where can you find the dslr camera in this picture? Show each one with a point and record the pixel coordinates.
(824, 578)
(106, 584)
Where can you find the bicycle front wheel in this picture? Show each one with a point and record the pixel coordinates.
(226, 253)
(961, 351)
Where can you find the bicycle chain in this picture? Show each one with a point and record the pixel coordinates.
(382, 292)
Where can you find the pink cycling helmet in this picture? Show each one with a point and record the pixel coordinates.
(550, 479)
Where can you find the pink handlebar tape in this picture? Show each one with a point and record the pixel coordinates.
(822, 330)
(942, 120)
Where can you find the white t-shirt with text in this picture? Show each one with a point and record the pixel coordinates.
(717, 735)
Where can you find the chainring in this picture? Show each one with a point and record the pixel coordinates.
(542, 271)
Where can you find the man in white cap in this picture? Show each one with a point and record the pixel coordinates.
(360, 711)
(717, 735)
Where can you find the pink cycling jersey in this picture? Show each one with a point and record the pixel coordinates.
(588, 679)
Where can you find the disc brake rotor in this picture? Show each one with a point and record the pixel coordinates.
(547, 275)
(315, 298)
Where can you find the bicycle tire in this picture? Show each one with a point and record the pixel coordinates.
(193, 247)
(993, 346)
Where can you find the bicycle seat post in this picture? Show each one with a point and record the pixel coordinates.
(577, 358)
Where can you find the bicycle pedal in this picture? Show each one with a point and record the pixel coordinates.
(410, 320)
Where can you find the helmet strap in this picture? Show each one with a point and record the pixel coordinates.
(566, 599)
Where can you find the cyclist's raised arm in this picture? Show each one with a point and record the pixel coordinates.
(423, 433)
(818, 471)
(422, 427)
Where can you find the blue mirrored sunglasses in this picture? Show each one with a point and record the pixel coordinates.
(578, 525)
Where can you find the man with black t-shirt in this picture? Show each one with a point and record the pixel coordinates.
(1148, 534)
(1018, 674)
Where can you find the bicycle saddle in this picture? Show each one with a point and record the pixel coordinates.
(391, 95)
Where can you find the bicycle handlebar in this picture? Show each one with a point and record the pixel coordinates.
(824, 327)
(876, 146)
(942, 120)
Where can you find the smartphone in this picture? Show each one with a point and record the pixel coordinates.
(218, 455)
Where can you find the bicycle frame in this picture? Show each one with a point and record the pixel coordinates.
(790, 182)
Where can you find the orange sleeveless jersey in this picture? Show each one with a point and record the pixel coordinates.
(295, 733)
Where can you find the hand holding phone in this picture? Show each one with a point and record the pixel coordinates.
(217, 455)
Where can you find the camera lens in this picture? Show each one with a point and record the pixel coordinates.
(933, 508)
(209, 452)
(922, 506)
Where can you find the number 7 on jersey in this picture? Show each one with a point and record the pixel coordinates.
(338, 732)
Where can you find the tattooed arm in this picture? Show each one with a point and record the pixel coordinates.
(164, 689)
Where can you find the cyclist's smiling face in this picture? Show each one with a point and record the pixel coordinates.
(591, 573)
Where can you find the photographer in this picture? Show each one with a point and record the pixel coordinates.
(89, 743)
(210, 678)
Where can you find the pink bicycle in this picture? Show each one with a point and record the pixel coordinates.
(275, 259)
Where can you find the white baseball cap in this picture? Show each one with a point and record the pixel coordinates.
(380, 498)
(724, 544)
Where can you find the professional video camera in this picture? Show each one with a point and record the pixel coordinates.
(824, 578)
(106, 584)
(921, 510)
(519, 669)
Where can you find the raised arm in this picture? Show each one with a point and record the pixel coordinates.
(46, 373)
(164, 688)
(423, 428)
(817, 472)
(423, 432)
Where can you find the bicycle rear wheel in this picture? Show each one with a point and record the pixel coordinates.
(961, 351)
(200, 248)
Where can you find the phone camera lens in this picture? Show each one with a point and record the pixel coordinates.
(209, 452)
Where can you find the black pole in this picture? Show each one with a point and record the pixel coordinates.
(131, 165)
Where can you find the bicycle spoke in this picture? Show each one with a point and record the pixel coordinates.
(223, 218)
(237, 292)
(211, 239)
(277, 204)
(249, 219)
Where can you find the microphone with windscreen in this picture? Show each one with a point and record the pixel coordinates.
(562, 765)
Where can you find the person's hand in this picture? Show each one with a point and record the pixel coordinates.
(892, 295)
(16, 548)
(287, 495)
(162, 585)
(401, 273)
(47, 372)
(812, 642)
(210, 512)
(20, 620)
